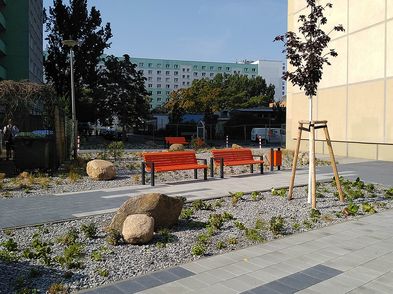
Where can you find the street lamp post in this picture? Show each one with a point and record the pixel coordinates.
(71, 44)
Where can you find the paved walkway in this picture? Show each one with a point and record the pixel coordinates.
(50, 208)
(351, 257)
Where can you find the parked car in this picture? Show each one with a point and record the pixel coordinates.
(111, 134)
(268, 135)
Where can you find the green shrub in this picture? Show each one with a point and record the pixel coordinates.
(370, 188)
(389, 193)
(308, 224)
(279, 192)
(116, 149)
(103, 272)
(57, 288)
(232, 240)
(254, 235)
(368, 208)
(8, 256)
(40, 250)
(255, 195)
(114, 237)
(295, 226)
(69, 238)
(261, 224)
(315, 214)
(219, 203)
(198, 204)
(236, 197)
(186, 213)
(198, 249)
(227, 216)
(10, 245)
(239, 225)
(216, 221)
(203, 239)
(89, 230)
(277, 224)
(210, 231)
(351, 209)
(96, 255)
(71, 256)
(221, 245)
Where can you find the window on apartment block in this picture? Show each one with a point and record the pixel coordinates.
(140, 64)
(158, 79)
(188, 83)
(188, 69)
(168, 86)
(158, 92)
(211, 74)
(150, 65)
(203, 74)
(203, 67)
(167, 79)
(184, 83)
(253, 70)
(158, 85)
(246, 69)
(167, 72)
(158, 65)
(228, 68)
(158, 98)
(150, 72)
(195, 74)
(188, 76)
(149, 78)
(167, 65)
(176, 73)
(150, 85)
(176, 66)
(176, 79)
(150, 93)
(195, 67)
(167, 92)
(176, 86)
(219, 68)
(184, 76)
(211, 67)
(158, 72)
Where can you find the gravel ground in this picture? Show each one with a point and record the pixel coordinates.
(128, 174)
(126, 261)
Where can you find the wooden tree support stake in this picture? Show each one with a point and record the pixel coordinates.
(312, 126)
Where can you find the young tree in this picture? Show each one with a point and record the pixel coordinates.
(308, 54)
(121, 93)
(77, 23)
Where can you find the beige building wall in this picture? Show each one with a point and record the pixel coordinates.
(356, 93)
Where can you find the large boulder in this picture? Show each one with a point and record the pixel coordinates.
(138, 229)
(176, 147)
(236, 146)
(164, 209)
(98, 169)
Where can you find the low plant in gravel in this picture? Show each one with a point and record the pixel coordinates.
(227, 216)
(327, 217)
(315, 214)
(351, 209)
(261, 224)
(116, 149)
(368, 208)
(255, 195)
(370, 188)
(236, 197)
(218, 203)
(96, 255)
(114, 237)
(221, 245)
(216, 221)
(8, 256)
(166, 236)
(89, 230)
(308, 224)
(380, 204)
(71, 257)
(295, 226)
(232, 240)
(40, 250)
(69, 238)
(57, 288)
(211, 231)
(279, 192)
(10, 245)
(186, 213)
(389, 193)
(239, 225)
(254, 235)
(103, 272)
(277, 224)
(203, 239)
(201, 205)
(198, 249)
(8, 232)
(73, 176)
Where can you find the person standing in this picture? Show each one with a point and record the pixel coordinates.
(10, 132)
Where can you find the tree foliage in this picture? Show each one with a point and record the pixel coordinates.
(77, 23)
(223, 92)
(308, 53)
(121, 93)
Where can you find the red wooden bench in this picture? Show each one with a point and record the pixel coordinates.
(232, 157)
(171, 161)
(175, 140)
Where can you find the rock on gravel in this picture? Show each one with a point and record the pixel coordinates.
(138, 229)
(98, 169)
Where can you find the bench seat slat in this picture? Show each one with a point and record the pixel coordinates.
(242, 162)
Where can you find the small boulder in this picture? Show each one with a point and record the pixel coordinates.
(164, 209)
(98, 169)
(176, 147)
(138, 229)
(235, 146)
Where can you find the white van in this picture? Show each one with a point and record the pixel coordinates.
(268, 135)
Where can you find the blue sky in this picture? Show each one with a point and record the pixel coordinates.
(207, 30)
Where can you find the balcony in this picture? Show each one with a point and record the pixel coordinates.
(3, 25)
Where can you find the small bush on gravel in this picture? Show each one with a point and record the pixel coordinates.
(308, 224)
(198, 249)
(389, 193)
(116, 149)
(327, 218)
(277, 224)
(73, 176)
(69, 238)
(239, 225)
(254, 235)
(232, 241)
(8, 232)
(295, 226)
(186, 213)
(197, 204)
(203, 239)
(315, 214)
(261, 225)
(279, 192)
(368, 208)
(236, 197)
(114, 237)
(96, 255)
(57, 288)
(40, 250)
(103, 272)
(255, 195)
(89, 230)
(351, 209)
(218, 203)
(8, 256)
(216, 221)
(71, 256)
(370, 188)
(227, 216)
(10, 245)
(166, 235)
(221, 245)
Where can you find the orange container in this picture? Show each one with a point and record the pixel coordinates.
(277, 158)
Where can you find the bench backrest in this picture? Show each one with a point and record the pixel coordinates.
(175, 140)
(169, 158)
(231, 154)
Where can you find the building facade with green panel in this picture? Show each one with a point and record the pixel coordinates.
(21, 40)
(163, 76)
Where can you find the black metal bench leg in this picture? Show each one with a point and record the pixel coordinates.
(143, 173)
(261, 167)
(205, 170)
(195, 173)
(222, 168)
(251, 168)
(211, 167)
(152, 174)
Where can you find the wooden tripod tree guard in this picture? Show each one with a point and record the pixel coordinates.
(312, 126)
